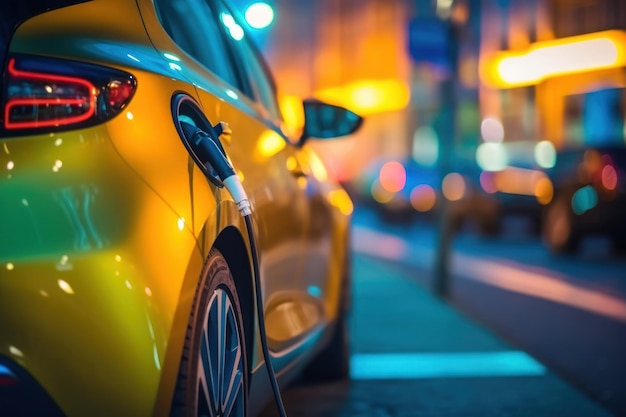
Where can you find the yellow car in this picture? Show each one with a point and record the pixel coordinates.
(165, 248)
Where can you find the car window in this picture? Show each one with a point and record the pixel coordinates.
(256, 70)
(193, 25)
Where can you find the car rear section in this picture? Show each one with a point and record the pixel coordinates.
(87, 296)
(589, 197)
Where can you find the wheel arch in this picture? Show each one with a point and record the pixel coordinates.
(233, 248)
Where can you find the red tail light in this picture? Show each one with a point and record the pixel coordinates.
(43, 93)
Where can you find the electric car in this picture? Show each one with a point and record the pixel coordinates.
(167, 246)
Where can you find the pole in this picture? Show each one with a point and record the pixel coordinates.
(447, 136)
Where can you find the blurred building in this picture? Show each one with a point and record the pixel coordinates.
(351, 53)
(528, 71)
(555, 69)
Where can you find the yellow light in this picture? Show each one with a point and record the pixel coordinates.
(15, 351)
(65, 286)
(340, 199)
(269, 144)
(575, 54)
(317, 165)
(367, 97)
(544, 191)
(293, 113)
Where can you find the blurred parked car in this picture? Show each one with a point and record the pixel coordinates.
(129, 252)
(519, 192)
(514, 173)
(589, 197)
(403, 190)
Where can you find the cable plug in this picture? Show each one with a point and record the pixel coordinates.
(209, 150)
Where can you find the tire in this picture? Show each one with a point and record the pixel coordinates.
(213, 374)
(332, 363)
(619, 245)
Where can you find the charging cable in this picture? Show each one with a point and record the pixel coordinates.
(209, 149)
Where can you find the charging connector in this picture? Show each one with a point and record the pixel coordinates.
(209, 150)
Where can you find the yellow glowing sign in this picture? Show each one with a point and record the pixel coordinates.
(575, 54)
(366, 97)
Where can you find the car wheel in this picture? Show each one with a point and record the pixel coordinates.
(490, 225)
(558, 231)
(213, 374)
(619, 244)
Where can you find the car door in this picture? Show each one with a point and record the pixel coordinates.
(233, 86)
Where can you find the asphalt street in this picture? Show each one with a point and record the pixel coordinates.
(413, 354)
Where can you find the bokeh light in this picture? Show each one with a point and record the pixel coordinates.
(259, 15)
(426, 146)
(491, 156)
(584, 199)
(453, 186)
(544, 190)
(423, 198)
(491, 130)
(380, 195)
(609, 177)
(392, 176)
(545, 154)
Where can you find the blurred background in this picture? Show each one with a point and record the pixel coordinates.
(467, 102)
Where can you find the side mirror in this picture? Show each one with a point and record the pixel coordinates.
(324, 121)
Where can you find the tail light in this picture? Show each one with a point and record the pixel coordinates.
(52, 94)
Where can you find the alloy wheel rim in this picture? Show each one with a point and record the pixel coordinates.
(220, 364)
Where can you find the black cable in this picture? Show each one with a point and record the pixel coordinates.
(261, 317)
(209, 149)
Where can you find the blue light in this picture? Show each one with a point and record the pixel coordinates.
(584, 199)
(315, 291)
(444, 365)
(4, 371)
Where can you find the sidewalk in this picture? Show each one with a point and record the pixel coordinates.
(448, 365)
